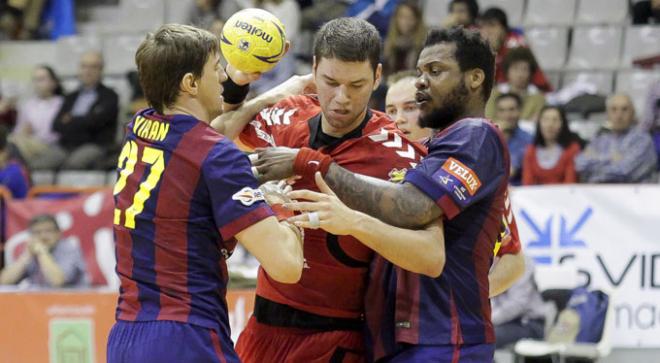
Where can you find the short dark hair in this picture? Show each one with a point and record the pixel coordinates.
(4, 135)
(565, 137)
(41, 218)
(58, 85)
(520, 54)
(512, 96)
(349, 40)
(472, 52)
(497, 15)
(472, 5)
(165, 56)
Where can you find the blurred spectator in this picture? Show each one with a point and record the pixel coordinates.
(519, 65)
(203, 13)
(48, 260)
(651, 116)
(646, 12)
(321, 11)
(621, 152)
(551, 158)
(138, 101)
(462, 12)
(7, 112)
(377, 12)
(405, 38)
(651, 120)
(12, 174)
(507, 115)
(86, 123)
(34, 134)
(494, 26)
(21, 19)
(401, 106)
(519, 312)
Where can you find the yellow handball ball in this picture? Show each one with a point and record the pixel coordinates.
(253, 40)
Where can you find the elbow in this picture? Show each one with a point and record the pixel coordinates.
(288, 270)
(287, 273)
(434, 267)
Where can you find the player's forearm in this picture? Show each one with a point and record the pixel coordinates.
(505, 273)
(13, 273)
(288, 267)
(419, 251)
(51, 271)
(400, 205)
(236, 117)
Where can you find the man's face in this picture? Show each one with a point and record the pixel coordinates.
(91, 69)
(344, 90)
(461, 14)
(620, 113)
(45, 232)
(401, 106)
(441, 92)
(494, 32)
(507, 114)
(519, 74)
(210, 86)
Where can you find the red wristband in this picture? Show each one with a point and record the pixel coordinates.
(309, 161)
(281, 213)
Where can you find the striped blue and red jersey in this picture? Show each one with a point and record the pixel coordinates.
(466, 172)
(183, 192)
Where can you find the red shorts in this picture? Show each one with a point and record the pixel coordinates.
(260, 343)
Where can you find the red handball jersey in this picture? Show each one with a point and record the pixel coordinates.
(334, 279)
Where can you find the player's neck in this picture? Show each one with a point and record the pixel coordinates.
(475, 108)
(339, 132)
(193, 109)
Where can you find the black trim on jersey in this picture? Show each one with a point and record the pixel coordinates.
(275, 314)
(319, 139)
(337, 252)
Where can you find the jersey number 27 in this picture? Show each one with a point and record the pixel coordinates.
(127, 159)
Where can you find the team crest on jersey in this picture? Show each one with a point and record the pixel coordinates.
(397, 175)
(463, 174)
(248, 196)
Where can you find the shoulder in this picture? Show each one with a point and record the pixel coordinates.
(67, 247)
(472, 129)
(106, 91)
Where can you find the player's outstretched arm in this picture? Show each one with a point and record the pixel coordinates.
(420, 251)
(277, 246)
(401, 205)
(507, 270)
(236, 117)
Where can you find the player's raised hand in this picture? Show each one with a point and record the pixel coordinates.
(274, 163)
(239, 77)
(321, 210)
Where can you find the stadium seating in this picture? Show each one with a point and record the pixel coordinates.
(42, 177)
(119, 52)
(142, 15)
(550, 12)
(81, 178)
(603, 80)
(549, 45)
(601, 12)
(596, 47)
(640, 41)
(435, 11)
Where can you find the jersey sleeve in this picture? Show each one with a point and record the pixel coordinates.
(264, 130)
(463, 167)
(235, 197)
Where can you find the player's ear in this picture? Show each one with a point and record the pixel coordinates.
(189, 84)
(475, 78)
(378, 76)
